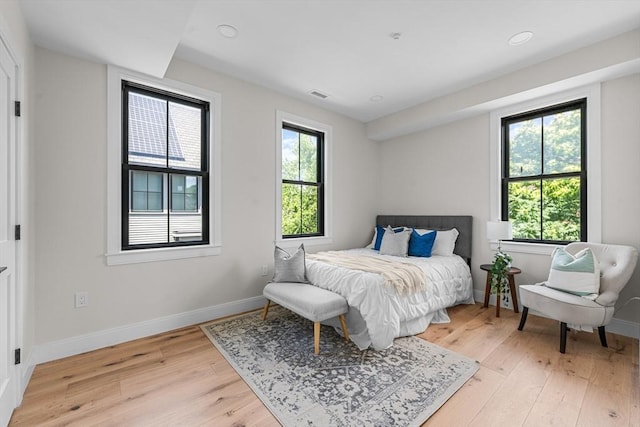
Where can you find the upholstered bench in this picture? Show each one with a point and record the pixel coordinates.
(311, 302)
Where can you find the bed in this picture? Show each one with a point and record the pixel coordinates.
(378, 313)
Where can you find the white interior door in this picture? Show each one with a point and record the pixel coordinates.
(8, 186)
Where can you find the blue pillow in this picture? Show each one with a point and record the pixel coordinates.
(380, 233)
(421, 245)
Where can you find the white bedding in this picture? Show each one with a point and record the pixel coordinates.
(377, 313)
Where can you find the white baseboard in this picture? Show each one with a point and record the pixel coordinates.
(25, 377)
(616, 326)
(93, 341)
(624, 327)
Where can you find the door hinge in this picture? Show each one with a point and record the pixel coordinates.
(18, 233)
(16, 355)
(17, 105)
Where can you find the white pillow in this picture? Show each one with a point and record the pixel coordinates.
(395, 243)
(373, 241)
(445, 241)
(380, 230)
(577, 274)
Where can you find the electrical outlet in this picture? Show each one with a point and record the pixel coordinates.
(82, 299)
(264, 270)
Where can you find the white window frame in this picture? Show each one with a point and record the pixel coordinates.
(284, 117)
(594, 162)
(115, 255)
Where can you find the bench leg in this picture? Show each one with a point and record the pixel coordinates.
(265, 310)
(316, 337)
(343, 323)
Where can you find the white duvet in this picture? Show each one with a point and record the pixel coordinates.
(377, 313)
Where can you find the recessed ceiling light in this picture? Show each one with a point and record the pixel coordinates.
(376, 98)
(228, 31)
(520, 38)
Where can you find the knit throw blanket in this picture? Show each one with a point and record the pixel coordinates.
(405, 278)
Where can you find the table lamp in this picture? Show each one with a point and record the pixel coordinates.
(499, 230)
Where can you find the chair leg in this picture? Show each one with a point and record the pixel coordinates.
(265, 310)
(603, 337)
(523, 318)
(563, 337)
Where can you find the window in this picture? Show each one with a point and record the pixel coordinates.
(164, 147)
(163, 169)
(146, 191)
(550, 167)
(303, 174)
(302, 182)
(184, 193)
(544, 173)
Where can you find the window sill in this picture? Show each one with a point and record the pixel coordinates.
(307, 241)
(161, 254)
(525, 248)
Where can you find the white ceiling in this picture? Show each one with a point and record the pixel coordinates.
(342, 48)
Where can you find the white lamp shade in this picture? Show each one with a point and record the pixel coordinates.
(499, 230)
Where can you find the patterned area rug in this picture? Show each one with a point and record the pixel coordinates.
(342, 386)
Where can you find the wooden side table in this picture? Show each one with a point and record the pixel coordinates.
(512, 288)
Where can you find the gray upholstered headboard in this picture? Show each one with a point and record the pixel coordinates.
(463, 223)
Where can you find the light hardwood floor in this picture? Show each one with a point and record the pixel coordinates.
(180, 379)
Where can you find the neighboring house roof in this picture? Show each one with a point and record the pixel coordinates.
(148, 138)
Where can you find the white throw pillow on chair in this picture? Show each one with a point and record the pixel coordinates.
(577, 274)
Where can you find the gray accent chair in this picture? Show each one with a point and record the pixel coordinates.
(617, 264)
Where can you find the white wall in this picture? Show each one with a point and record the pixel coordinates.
(445, 170)
(442, 171)
(71, 206)
(621, 176)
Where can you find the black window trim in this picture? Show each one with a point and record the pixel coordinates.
(581, 104)
(204, 172)
(320, 184)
